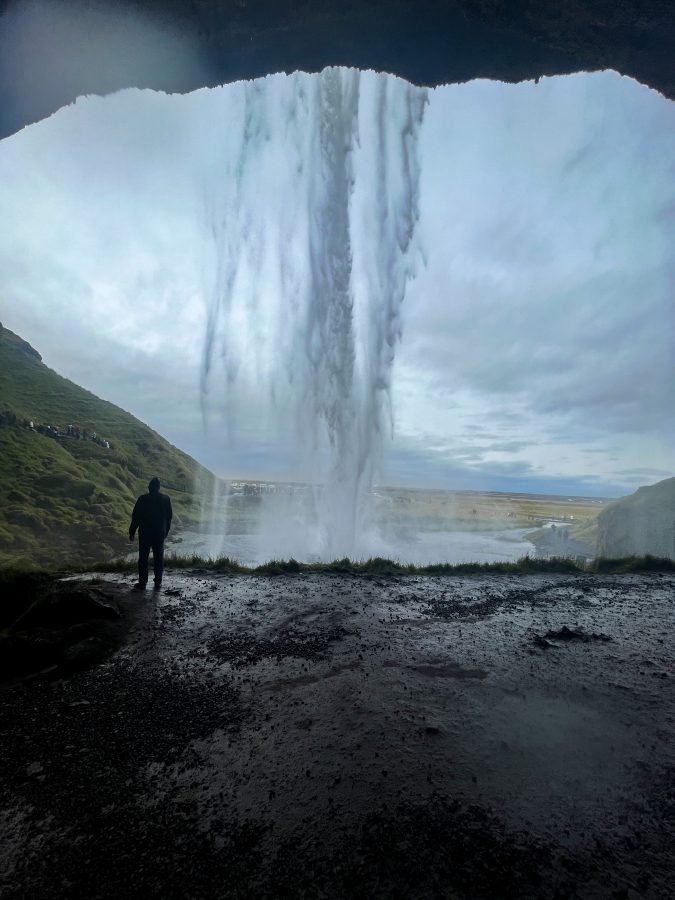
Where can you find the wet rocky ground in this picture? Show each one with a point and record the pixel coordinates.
(352, 737)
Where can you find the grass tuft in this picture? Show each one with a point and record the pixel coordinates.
(627, 564)
(388, 567)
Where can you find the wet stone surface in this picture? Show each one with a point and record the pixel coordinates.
(319, 736)
(240, 650)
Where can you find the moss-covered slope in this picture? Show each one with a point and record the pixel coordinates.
(68, 499)
(642, 523)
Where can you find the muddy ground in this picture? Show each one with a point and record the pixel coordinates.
(353, 737)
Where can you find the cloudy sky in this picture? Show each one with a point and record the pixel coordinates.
(538, 344)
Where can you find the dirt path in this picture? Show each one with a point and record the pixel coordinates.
(318, 736)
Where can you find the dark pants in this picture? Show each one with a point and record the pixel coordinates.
(146, 543)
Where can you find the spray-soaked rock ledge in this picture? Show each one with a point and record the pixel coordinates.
(318, 736)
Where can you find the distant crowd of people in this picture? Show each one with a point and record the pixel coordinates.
(56, 431)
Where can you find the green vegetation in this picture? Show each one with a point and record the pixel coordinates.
(377, 566)
(642, 523)
(65, 500)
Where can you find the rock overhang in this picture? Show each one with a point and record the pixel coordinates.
(52, 52)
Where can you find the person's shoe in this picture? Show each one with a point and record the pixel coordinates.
(158, 584)
(139, 586)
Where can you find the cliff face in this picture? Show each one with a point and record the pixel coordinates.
(52, 51)
(72, 465)
(642, 523)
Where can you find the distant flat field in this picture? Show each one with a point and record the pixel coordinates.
(479, 508)
(484, 510)
(413, 526)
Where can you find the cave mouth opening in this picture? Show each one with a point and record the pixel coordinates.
(483, 264)
(52, 51)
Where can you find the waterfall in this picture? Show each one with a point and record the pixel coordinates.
(312, 201)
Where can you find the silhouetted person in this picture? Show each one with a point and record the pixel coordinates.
(152, 517)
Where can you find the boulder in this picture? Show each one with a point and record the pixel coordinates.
(66, 605)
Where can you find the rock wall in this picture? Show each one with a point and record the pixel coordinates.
(642, 523)
(52, 51)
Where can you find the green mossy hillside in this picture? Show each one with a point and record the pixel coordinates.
(63, 499)
(643, 522)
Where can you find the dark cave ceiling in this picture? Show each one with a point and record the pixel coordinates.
(51, 51)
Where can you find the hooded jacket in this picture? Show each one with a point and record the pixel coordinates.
(151, 516)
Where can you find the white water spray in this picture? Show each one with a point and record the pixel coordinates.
(315, 284)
